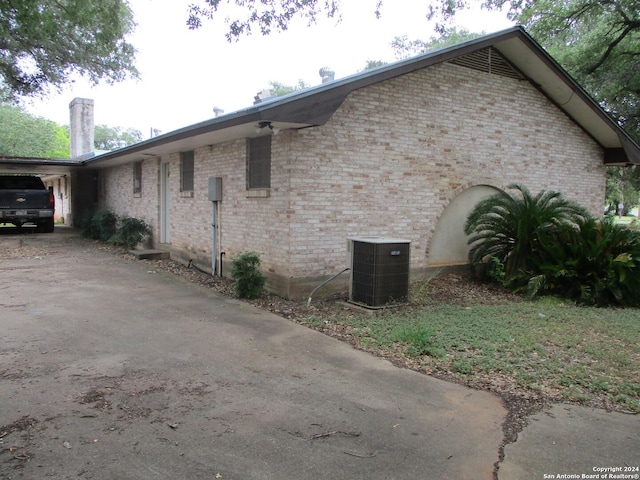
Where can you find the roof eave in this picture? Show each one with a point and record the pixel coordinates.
(314, 106)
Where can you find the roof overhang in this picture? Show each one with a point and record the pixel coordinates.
(38, 166)
(314, 106)
(547, 75)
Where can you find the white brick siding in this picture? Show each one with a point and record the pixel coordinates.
(387, 163)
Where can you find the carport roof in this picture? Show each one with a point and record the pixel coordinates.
(35, 165)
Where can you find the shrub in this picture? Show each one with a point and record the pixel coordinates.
(545, 244)
(505, 230)
(130, 232)
(249, 280)
(597, 265)
(99, 225)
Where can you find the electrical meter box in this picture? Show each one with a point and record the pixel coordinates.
(215, 189)
(379, 270)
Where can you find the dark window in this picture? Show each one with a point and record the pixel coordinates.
(137, 177)
(186, 171)
(259, 162)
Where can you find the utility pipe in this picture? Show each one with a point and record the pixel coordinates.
(324, 283)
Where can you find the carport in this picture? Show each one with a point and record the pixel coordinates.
(75, 190)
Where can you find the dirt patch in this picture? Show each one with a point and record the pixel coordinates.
(24, 423)
(96, 398)
(14, 451)
(12, 375)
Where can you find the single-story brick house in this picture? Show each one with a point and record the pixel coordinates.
(404, 150)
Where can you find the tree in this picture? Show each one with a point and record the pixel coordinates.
(598, 43)
(266, 15)
(623, 185)
(404, 47)
(111, 138)
(280, 89)
(24, 135)
(275, 15)
(374, 64)
(43, 43)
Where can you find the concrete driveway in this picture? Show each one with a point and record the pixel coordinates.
(110, 371)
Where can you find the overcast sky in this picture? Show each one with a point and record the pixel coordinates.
(185, 73)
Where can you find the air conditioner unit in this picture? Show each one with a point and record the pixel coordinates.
(379, 270)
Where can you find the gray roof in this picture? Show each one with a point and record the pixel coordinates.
(314, 106)
(49, 166)
(518, 53)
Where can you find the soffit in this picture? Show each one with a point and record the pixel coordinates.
(181, 141)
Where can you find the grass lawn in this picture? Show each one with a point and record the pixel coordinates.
(547, 348)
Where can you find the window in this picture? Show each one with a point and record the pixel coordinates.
(137, 177)
(259, 162)
(186, 171)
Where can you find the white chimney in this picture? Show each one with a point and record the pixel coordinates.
(217, 111)
(81, 126)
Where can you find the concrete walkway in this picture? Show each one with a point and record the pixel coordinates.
(111, 371)
(567, 441)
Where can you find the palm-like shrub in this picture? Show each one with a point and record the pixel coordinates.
(505, 230)
(597, 265)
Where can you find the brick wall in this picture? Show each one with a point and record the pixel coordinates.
(118, 195)
(387, 163)
(395, 154)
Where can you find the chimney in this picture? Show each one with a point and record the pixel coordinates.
(327, 74)
(81, 126)
(217, 111)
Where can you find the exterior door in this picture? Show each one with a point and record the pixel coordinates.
(165, 202)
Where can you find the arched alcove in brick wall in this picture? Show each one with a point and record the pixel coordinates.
(449, 243)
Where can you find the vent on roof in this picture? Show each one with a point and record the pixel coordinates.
(488, 60)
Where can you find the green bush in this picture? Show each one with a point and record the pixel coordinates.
(108, 227)
(545, 244)
(597, 265)
(99, 225)
(507, 227)
(249, 280)
(130, 232)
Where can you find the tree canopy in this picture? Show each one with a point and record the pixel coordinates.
(43, 43)
(280, 89)
(267, 16)
(598, 43)
(405, 47)
(110, 138)
(24, 135)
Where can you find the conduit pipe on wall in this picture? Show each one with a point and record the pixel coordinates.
(324, 283)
